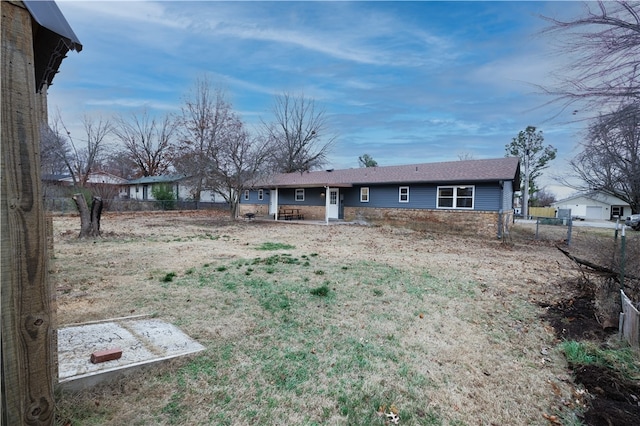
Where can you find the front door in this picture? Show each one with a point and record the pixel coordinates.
(333, 209)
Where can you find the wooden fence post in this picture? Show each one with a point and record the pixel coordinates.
(27, 330)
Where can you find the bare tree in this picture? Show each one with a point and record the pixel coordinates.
(534, 157)
(147, 141)
(54, 151)
(605, 44)
(299, 134)
(206, 120)
(84, 156)
(120, 163)
(80, 158)
(543, 198)
(465, 155)
(610, 157)
(239, 161)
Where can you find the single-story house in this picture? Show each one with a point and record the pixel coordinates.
(117, 184)
(142, 188)
(594, 205)
(472, 194)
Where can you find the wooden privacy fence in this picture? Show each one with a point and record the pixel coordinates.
(542, 212)
(629, 326)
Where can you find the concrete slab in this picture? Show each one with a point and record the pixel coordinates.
(143, 341)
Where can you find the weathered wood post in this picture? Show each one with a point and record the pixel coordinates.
(27, 354)
(31, 53)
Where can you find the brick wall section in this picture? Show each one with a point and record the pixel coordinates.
(482, 223)
(257, 209)
(309, 212)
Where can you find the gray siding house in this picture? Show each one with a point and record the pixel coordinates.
(474, 195)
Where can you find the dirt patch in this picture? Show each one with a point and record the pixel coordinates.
(612, 399)
(615, 399)
(575, 319)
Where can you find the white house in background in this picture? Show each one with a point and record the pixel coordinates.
(142, 189)
(595, 205)
(111, 186)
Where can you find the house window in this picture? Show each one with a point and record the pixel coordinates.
(260, 194)
(364, 194)
(246, 194)
(300, 194)
(455, 197)
(403, 194)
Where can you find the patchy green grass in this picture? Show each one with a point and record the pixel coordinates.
(168, 277)
(304, 338)
(622, 359)
(316, 348)
(275, 246)
(322, 291)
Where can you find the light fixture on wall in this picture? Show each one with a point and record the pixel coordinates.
(322, 194)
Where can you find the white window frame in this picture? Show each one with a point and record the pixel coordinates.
(299, 194)
(455, 197)
(402, 189)
(365, 194)
(246, 195)
(260, 194)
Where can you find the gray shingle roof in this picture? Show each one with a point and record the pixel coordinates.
(157, 179)
(466, 171)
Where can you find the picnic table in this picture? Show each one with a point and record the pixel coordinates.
(290, 214)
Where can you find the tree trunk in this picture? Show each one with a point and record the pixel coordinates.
(96, 212)
(89, 220)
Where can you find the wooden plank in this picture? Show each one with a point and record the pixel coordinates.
(631, 321)
(27, 330)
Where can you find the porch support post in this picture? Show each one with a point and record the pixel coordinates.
(276, 205)
(326, 204)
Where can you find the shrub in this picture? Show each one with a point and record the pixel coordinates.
(164, 196)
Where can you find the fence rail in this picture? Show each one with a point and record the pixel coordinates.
(545, 228)
(67, 206)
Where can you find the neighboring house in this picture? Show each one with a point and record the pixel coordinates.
(475, 194)
(142, 188)
(98, 178)
(594, 205)
(117, 185)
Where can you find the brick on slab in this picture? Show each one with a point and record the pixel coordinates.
(106, 355)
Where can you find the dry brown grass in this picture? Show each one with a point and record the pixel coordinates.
(444, 327)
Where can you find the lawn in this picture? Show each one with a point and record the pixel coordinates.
(311, 324)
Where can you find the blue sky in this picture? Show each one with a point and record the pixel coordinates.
(405, 82)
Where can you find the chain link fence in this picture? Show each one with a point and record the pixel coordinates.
(65, 205)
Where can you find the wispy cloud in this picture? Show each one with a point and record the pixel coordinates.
(402, 81)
